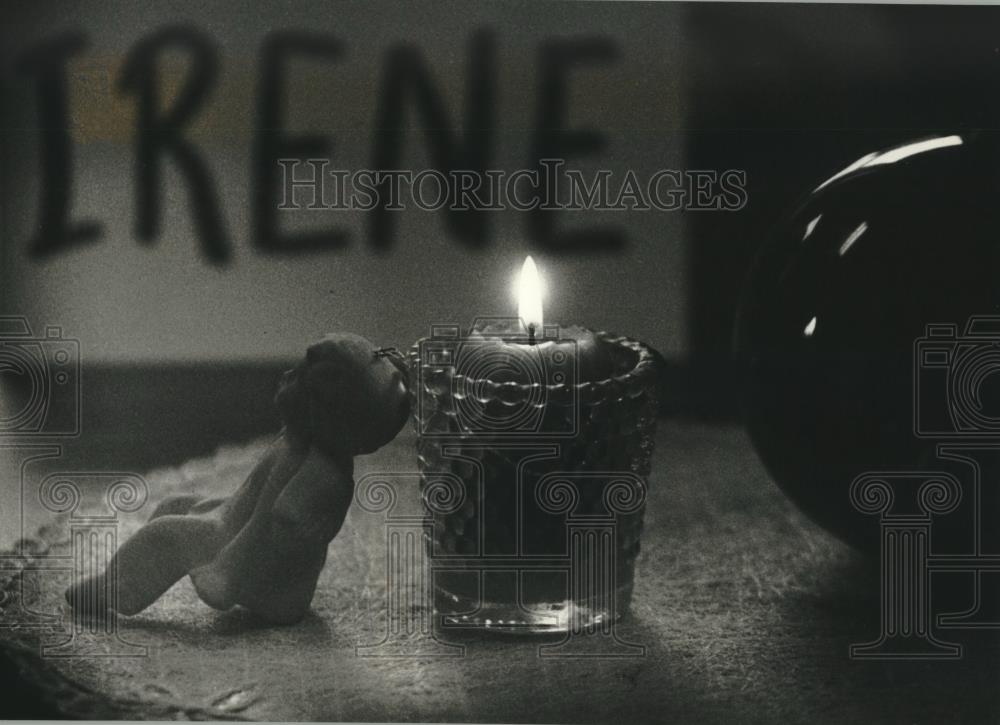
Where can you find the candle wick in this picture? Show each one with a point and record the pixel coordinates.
(531, 334)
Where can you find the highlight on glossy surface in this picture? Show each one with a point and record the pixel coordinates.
(843, 295)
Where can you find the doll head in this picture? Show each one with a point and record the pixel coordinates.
(347, 397)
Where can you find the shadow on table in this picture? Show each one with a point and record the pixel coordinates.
(820, 627)
(231, 624)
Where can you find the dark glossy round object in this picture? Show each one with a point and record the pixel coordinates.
(833, 333)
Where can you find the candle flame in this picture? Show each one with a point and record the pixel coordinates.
(529, 295)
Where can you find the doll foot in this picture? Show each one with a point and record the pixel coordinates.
(92, 597)
(89, 597)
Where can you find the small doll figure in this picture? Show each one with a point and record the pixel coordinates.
(264, 547)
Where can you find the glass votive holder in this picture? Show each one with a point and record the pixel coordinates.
(533, 476)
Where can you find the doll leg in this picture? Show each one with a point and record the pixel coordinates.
(286, 597)
(274, 582)
(271, 567)
(149, 563)
(245, 525)
(218, 580)
(184, 532)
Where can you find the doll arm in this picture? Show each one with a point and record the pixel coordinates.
(312, 507)
(272, 565)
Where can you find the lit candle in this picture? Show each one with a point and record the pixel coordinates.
(529, 298)
(592, 360)
(511, 409)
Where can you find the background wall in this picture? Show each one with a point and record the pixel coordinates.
(162, 302)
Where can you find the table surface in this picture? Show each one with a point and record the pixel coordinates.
(744, 608)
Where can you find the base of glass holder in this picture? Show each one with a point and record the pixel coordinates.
(453, 612)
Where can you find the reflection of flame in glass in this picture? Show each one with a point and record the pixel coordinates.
(498, 388)
(896, 154)
(810, 328)
(811, 226)
(852, 238)
(529, 295)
